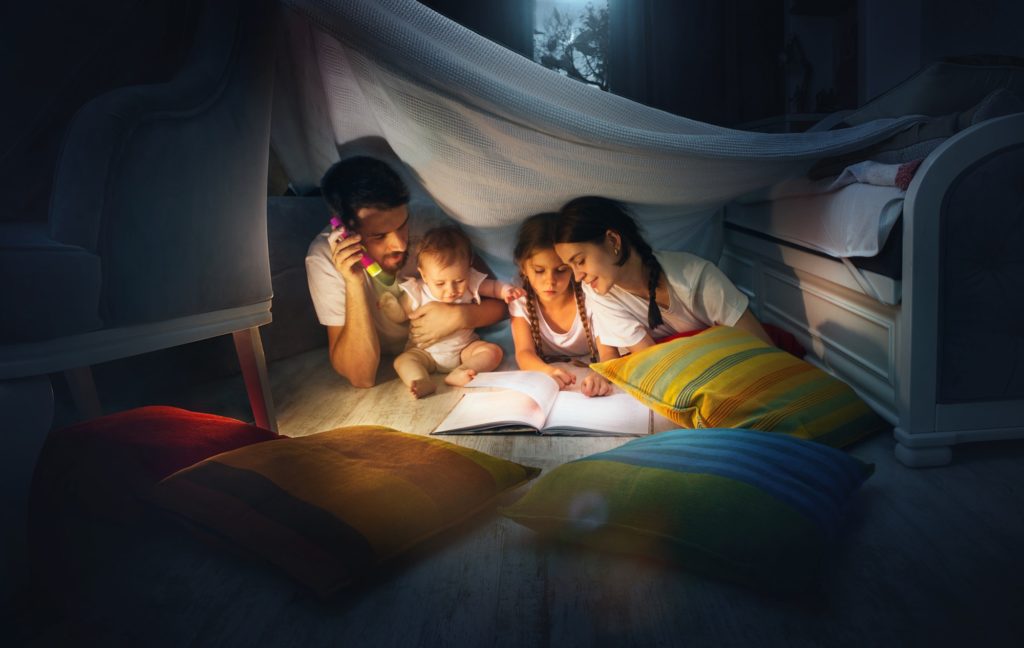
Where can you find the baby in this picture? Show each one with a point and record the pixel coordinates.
(443, 260)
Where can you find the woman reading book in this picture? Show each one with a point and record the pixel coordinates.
(551, 323)
(640, 296)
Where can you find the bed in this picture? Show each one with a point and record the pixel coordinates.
(902, 326)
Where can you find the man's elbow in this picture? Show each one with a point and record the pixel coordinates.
(359, 379)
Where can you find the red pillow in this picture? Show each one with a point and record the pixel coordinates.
(107, 464)
(92, 480)
(781, 338)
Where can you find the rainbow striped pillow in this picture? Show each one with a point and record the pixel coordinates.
(325, 507)
(751, 507)
(725, 377)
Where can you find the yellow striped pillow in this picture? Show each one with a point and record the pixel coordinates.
(726, 378)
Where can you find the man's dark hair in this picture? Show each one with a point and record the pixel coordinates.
(361, 182)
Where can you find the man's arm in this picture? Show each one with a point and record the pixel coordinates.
(354, 348)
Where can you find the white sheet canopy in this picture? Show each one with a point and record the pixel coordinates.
(493, 137)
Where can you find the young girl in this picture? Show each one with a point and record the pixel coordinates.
(443, 260)
(550, 322)
(640, 296)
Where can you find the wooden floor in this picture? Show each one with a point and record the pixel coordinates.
(928, 557)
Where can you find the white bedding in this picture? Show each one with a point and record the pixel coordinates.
(854, 221)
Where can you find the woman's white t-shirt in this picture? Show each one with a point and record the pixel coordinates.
(573, 343)
(700, 295)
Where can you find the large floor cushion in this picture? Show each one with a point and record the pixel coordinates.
(751, 507)
(328, 506)
(94, 478)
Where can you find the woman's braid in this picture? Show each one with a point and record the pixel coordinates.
(653, 274)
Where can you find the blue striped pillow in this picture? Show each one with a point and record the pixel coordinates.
(748, 506)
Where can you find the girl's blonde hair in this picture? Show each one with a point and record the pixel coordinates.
(535, 235)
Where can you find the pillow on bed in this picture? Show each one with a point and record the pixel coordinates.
(751, 507)
(725, 377)
(326, 506)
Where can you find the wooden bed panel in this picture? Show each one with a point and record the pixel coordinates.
(845, 332)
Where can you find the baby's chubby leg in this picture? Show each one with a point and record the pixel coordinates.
(477, 356)
(414, 367)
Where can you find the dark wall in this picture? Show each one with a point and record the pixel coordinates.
(714, 62)
(509, 22)
(56, 56)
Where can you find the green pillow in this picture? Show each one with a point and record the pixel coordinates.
(752, 507)
(327, 506)
(726, 377)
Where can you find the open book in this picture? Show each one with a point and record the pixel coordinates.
(530, 401)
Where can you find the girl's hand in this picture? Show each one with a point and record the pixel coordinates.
(562, 377)
(595, 385)
(511, 293)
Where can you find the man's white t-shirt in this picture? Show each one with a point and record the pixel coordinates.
(572, 343)
(327, 288)
(700, 295)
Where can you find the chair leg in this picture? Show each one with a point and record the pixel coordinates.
(249, 346)
(26, 405)
(83, 392)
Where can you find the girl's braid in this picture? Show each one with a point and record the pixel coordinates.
(581, 306)
(531, 316)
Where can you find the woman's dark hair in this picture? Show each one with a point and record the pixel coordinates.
(587, 219)
(535, 235)
(359, 182)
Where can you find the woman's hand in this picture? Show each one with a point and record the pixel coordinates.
(595, 385)
(561, 376)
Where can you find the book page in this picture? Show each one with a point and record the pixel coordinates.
(614, 414)
(538, 386)
(480, 411)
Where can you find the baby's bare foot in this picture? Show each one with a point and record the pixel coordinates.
(460, 376)
(422, 387)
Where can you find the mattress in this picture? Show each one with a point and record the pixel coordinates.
(854, 221)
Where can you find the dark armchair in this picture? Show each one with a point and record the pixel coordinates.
(156, 234)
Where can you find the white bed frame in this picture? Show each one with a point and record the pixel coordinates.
(878, 334)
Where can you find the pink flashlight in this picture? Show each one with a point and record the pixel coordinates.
(371, 266)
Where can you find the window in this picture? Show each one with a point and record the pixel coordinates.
(571, 37)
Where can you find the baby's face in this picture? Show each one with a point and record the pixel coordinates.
(445, 283)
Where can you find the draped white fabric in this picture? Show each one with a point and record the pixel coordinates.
(494, 137)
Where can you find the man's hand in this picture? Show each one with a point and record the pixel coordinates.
(388, 304)
(346, 252)
(433, 321)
